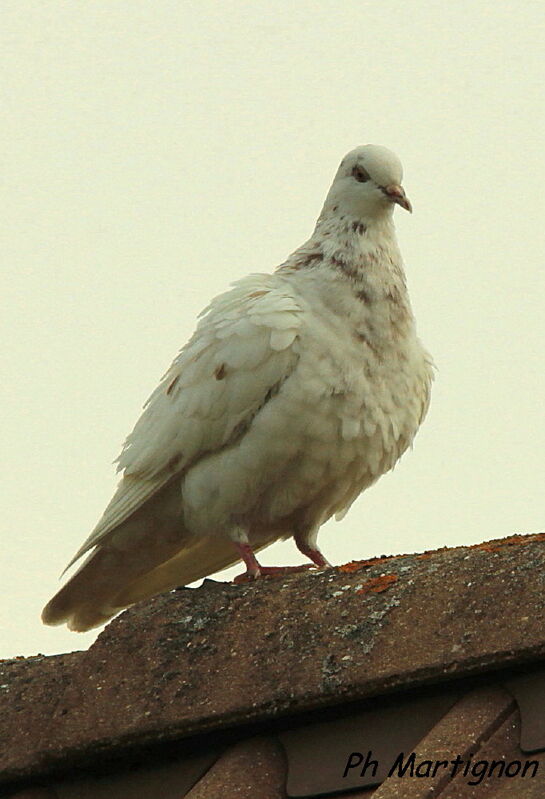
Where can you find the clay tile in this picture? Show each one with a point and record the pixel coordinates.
(357, 752)
(529, 691)
(252, 769)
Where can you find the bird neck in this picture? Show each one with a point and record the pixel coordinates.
(347, 243)
(356, 266)
(367, 228)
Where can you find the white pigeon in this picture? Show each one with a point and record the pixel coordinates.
(297, 390)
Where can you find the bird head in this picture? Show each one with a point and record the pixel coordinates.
(368, 184)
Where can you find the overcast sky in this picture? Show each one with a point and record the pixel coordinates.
(153, 152)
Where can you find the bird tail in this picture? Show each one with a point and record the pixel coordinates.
(203, 557)
(148, 553)
(112, 579)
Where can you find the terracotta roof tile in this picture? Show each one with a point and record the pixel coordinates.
(529, 691)
(282, 647)
(253, 769)
(29, 688)
(503, 746)
(461, 731)
(374, 736)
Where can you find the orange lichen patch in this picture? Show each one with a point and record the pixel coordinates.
(376, 585)
(356, 565)
(514, 540)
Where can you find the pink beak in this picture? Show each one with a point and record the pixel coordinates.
(396, 194)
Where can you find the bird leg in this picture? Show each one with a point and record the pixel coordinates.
(306, 543)
(255, 570)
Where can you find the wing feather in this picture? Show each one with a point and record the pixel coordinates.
(241, 350)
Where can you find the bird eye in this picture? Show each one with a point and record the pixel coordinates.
(360, 174)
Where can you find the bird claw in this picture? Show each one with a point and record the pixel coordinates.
(280, 571)
(271, 571)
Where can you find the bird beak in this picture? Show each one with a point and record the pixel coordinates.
(396, 194)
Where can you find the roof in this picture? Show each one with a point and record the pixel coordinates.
(228, 674)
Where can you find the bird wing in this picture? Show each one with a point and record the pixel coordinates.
(241, 352)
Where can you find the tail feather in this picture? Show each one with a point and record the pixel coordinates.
(109, 580)
(153, 535)
(205, 556)
(148, 553)
(90, 597)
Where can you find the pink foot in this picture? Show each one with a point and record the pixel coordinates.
(312, 553)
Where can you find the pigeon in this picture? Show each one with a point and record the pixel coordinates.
(296, 392)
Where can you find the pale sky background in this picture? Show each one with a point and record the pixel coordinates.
(153, 152)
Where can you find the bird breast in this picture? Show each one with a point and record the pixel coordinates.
(343, 417)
